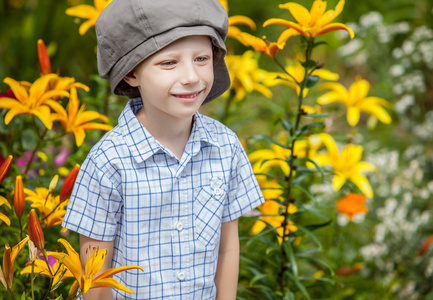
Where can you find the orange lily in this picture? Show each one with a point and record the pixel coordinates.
(5, 167)
(351, 205)
(35, 231)
(88, 12)
(77, 120)
(19, 201)
(36, 99)
(262, 45)
(312, 23)
(44, 59)
(3, 217)
(94, 264)
(9, 257)
(68, 185)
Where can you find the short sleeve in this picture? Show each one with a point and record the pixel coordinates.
(94, 208)
(244, 192)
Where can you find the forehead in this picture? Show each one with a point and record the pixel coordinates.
(194, 43)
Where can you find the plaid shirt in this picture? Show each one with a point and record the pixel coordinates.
(164, 214)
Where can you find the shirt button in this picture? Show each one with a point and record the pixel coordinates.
(218, 191)
(181, 276)
(179, 226)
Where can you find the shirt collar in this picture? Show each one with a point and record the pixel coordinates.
(142, 144)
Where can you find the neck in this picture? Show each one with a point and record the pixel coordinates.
(172, 133)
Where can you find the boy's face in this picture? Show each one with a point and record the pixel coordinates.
(175, 81)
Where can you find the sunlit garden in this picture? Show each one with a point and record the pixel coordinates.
(332, 100)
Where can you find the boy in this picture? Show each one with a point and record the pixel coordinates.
(164, 188)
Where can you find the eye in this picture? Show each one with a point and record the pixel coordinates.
(202, 59)
(167, 63)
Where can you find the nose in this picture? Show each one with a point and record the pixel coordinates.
(190, 74)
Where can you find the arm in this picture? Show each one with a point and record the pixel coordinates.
(226, 278)
(86, 243)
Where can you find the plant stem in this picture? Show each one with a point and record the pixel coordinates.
(41, 138)
(10, 294)
(33, 277)
(289, 178)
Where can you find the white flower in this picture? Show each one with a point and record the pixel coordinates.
(404, 103)
(351, 47)
(396, 70)
(372, 18)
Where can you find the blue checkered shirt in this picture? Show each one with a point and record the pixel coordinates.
(164, 214)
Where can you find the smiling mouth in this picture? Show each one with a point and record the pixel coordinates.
(188, 96)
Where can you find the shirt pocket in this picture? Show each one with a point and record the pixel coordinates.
(208, 210)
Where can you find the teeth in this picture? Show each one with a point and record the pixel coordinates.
(190, 96)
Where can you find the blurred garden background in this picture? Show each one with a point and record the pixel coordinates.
(362, 238)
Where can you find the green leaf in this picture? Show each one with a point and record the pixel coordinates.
(319, 43)
(288, 295)
(308, 127)
(258, 277)
(312, 80)
(269, 139)
(306, 192)
(309, 64)
(316, 165)
(310, 234)
(316, 115)
(324, 279)
(287, 125)
(302, 288)
(317, 261)
(316, 212)
(291, 256)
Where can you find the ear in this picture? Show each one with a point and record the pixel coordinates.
(131, 79)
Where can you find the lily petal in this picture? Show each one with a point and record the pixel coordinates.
(300, 13)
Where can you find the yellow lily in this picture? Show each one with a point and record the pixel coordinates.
(272, 215)
(346, 166)
(77, 120)
(34, 100)
(9, 258)
(59, 270)
(246, 76)
(3, 217)
(94, 264)
(262, 45)
(356, 100)
(312, 23)
(225, 4)
(297, 72)
(46, 202)
(233, 31)
(88, 12)
(264, 159)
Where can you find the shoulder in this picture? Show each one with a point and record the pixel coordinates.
(218, 131)
(108, 148)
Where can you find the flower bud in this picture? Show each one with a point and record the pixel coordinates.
(425, 246)
(35, 230)
(68, 185)
(44, 59)
(4, 168)
(19, 201)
